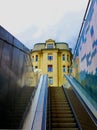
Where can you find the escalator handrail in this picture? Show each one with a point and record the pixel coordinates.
(45, 104)
(39, 122)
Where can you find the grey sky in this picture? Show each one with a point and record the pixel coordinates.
(33, 21)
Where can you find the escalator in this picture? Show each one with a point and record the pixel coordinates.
(60, 115)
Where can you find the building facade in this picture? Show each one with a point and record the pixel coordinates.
(52, 58)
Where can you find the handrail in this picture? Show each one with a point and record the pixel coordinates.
(49, 111)
(39, 122)
(45, 105)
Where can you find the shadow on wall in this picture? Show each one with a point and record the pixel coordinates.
(14, 59)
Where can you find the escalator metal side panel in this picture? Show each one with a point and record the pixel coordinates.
(79, 126)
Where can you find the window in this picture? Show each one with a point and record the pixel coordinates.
(50, 68)
(36, 57)
(50, 57)
(64, 68)
(63, 57)
(32, 58)
(50, 80)
(36, 67)
(67, 57)
(49, 45)
(68, 69)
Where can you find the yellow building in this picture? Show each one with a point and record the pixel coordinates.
(52, 58)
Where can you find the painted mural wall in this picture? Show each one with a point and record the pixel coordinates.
(85, 55)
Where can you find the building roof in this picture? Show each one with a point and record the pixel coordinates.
(57, 45)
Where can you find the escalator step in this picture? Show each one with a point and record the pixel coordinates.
(61, 115)
(59, 111)
(60, 105)
(64, 125)
(61, 108)
(64, 128)
(63, 120)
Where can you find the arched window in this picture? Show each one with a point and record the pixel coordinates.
(36, 58)
(68, 58)
(68, 69)
(63, 57)
(32, 58)
(64, 68)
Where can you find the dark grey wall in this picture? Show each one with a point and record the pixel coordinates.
(13, 58)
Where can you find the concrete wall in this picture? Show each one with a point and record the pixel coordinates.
(14, 64)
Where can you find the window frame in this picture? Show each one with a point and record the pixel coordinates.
(32, 58)
(68, 58)
(49, 46)
(36, 58)
(36, 67)
(50, 80)
(50, 68)
(68, 69)
(64, 68)
(50, 57)
(63, 57)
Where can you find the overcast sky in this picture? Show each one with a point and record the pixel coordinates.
(34, 21)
